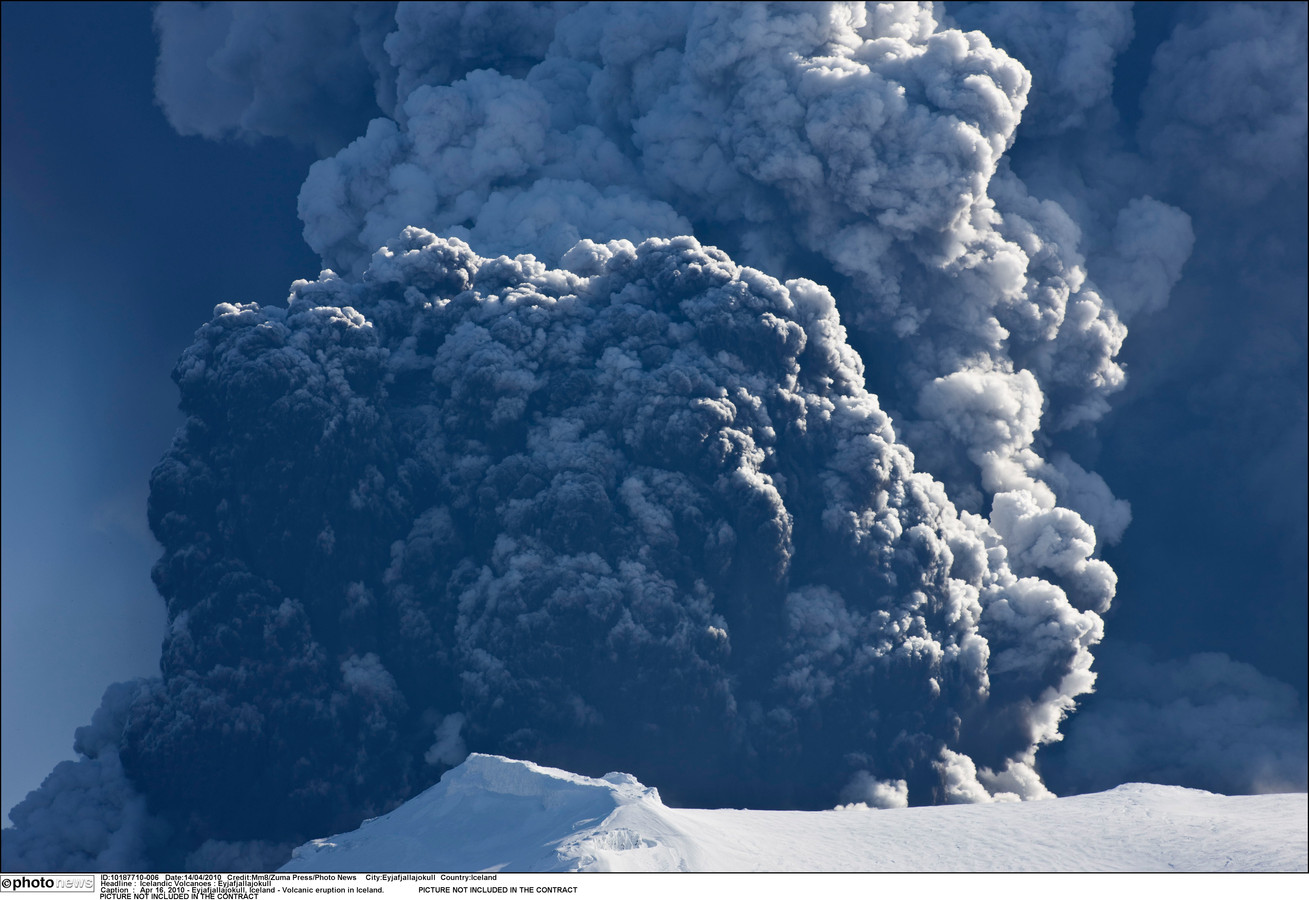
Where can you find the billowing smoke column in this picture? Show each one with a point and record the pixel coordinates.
(859, 147)
(622, 503)
(638, 512)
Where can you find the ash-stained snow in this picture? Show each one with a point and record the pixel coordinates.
(498, 814)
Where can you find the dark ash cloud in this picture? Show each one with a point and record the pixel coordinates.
(313, 73)
(640, 511)
(1204, 721)
(534, 469)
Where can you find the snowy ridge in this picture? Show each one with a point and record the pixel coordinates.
(493, 813)
(498, 814)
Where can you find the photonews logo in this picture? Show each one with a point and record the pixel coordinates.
(48, 883)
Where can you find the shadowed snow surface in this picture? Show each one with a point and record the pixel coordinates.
(498, 814)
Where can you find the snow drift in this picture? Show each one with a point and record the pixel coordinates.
(497, 814)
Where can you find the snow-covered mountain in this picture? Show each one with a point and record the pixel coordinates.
(498, 814)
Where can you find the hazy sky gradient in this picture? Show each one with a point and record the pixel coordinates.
(119, 238)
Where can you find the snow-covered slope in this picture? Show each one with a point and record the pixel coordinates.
(499, 814)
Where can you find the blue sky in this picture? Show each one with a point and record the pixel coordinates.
(120, 236)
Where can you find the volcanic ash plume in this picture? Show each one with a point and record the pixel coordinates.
(640, 509)
(613, 500)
